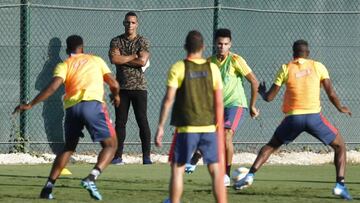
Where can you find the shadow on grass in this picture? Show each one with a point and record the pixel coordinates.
(303, 181)
(277, 194)
(102, 187)
(131, 181)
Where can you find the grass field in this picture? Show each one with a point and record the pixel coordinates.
(138, 183)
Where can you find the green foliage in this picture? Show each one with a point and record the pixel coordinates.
(17, 140)
(19, 144)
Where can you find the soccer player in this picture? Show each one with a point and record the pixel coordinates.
(84, 76)
(130, 52)
(194, 86)
(303, 78)
(234, 71)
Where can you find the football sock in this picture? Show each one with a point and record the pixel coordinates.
(49, 183)
(252, 170)
(228, 170)
(340, 180)
(95, 172)
(195, 158)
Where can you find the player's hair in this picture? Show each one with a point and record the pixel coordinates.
(194, 41)
(130, 13)
(223, 32)
(300, 48)
(72, 43)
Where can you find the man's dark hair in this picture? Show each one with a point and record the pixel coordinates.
(72, 43)
(300, 48)
(194, 41)
(130, 13)
(223, 32)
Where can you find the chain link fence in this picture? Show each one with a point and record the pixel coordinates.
(32, 42)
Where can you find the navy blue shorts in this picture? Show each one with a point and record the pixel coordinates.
(314, 124)
(185, 144)
(91, 114)
(234, 116)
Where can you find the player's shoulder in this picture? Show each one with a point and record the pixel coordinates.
(235, 56)
(318, 63)
(178, 64)
(213, 65)
(61, 64)
(95, 57)
(215, 71)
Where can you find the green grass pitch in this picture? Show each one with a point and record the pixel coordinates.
(138, 183)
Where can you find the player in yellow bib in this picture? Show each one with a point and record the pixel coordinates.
(234, 72)
(194, 90)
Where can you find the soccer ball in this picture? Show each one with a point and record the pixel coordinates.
(239, 173)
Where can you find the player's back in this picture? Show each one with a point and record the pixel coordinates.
(83, 78)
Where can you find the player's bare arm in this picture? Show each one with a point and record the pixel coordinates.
(268, 95)
(326, 83)
(254, 112)
(43, 95)
(164, 112)
(114, 88)
(219, 107)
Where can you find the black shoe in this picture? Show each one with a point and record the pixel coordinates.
(147, 161)
(46, 193)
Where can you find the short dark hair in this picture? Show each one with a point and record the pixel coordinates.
(194, 41)
(223, 32)
(300, 47)
(72, 43)
(130, 13)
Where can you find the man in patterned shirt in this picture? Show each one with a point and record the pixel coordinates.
(130, 52)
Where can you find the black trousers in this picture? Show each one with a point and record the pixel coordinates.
(138, 99)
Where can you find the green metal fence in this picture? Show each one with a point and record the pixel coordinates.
(32, 42)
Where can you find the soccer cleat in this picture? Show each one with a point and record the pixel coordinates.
(46, 193)
(117, 161)
(147, 161)
(91, 188)
(227, 181)
(245, 182)
(342, 191)
(189, 168)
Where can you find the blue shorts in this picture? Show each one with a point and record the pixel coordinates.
(91, 114)
(234, 116)
(314, 124)
(185, 144)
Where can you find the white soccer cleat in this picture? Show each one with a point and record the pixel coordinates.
(245, 182)
(189, 168)
(227, 181)
(342, 191)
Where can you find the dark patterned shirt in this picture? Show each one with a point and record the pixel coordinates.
(130, 78)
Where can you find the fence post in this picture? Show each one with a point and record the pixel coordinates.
(24, 67)
(217, 5)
